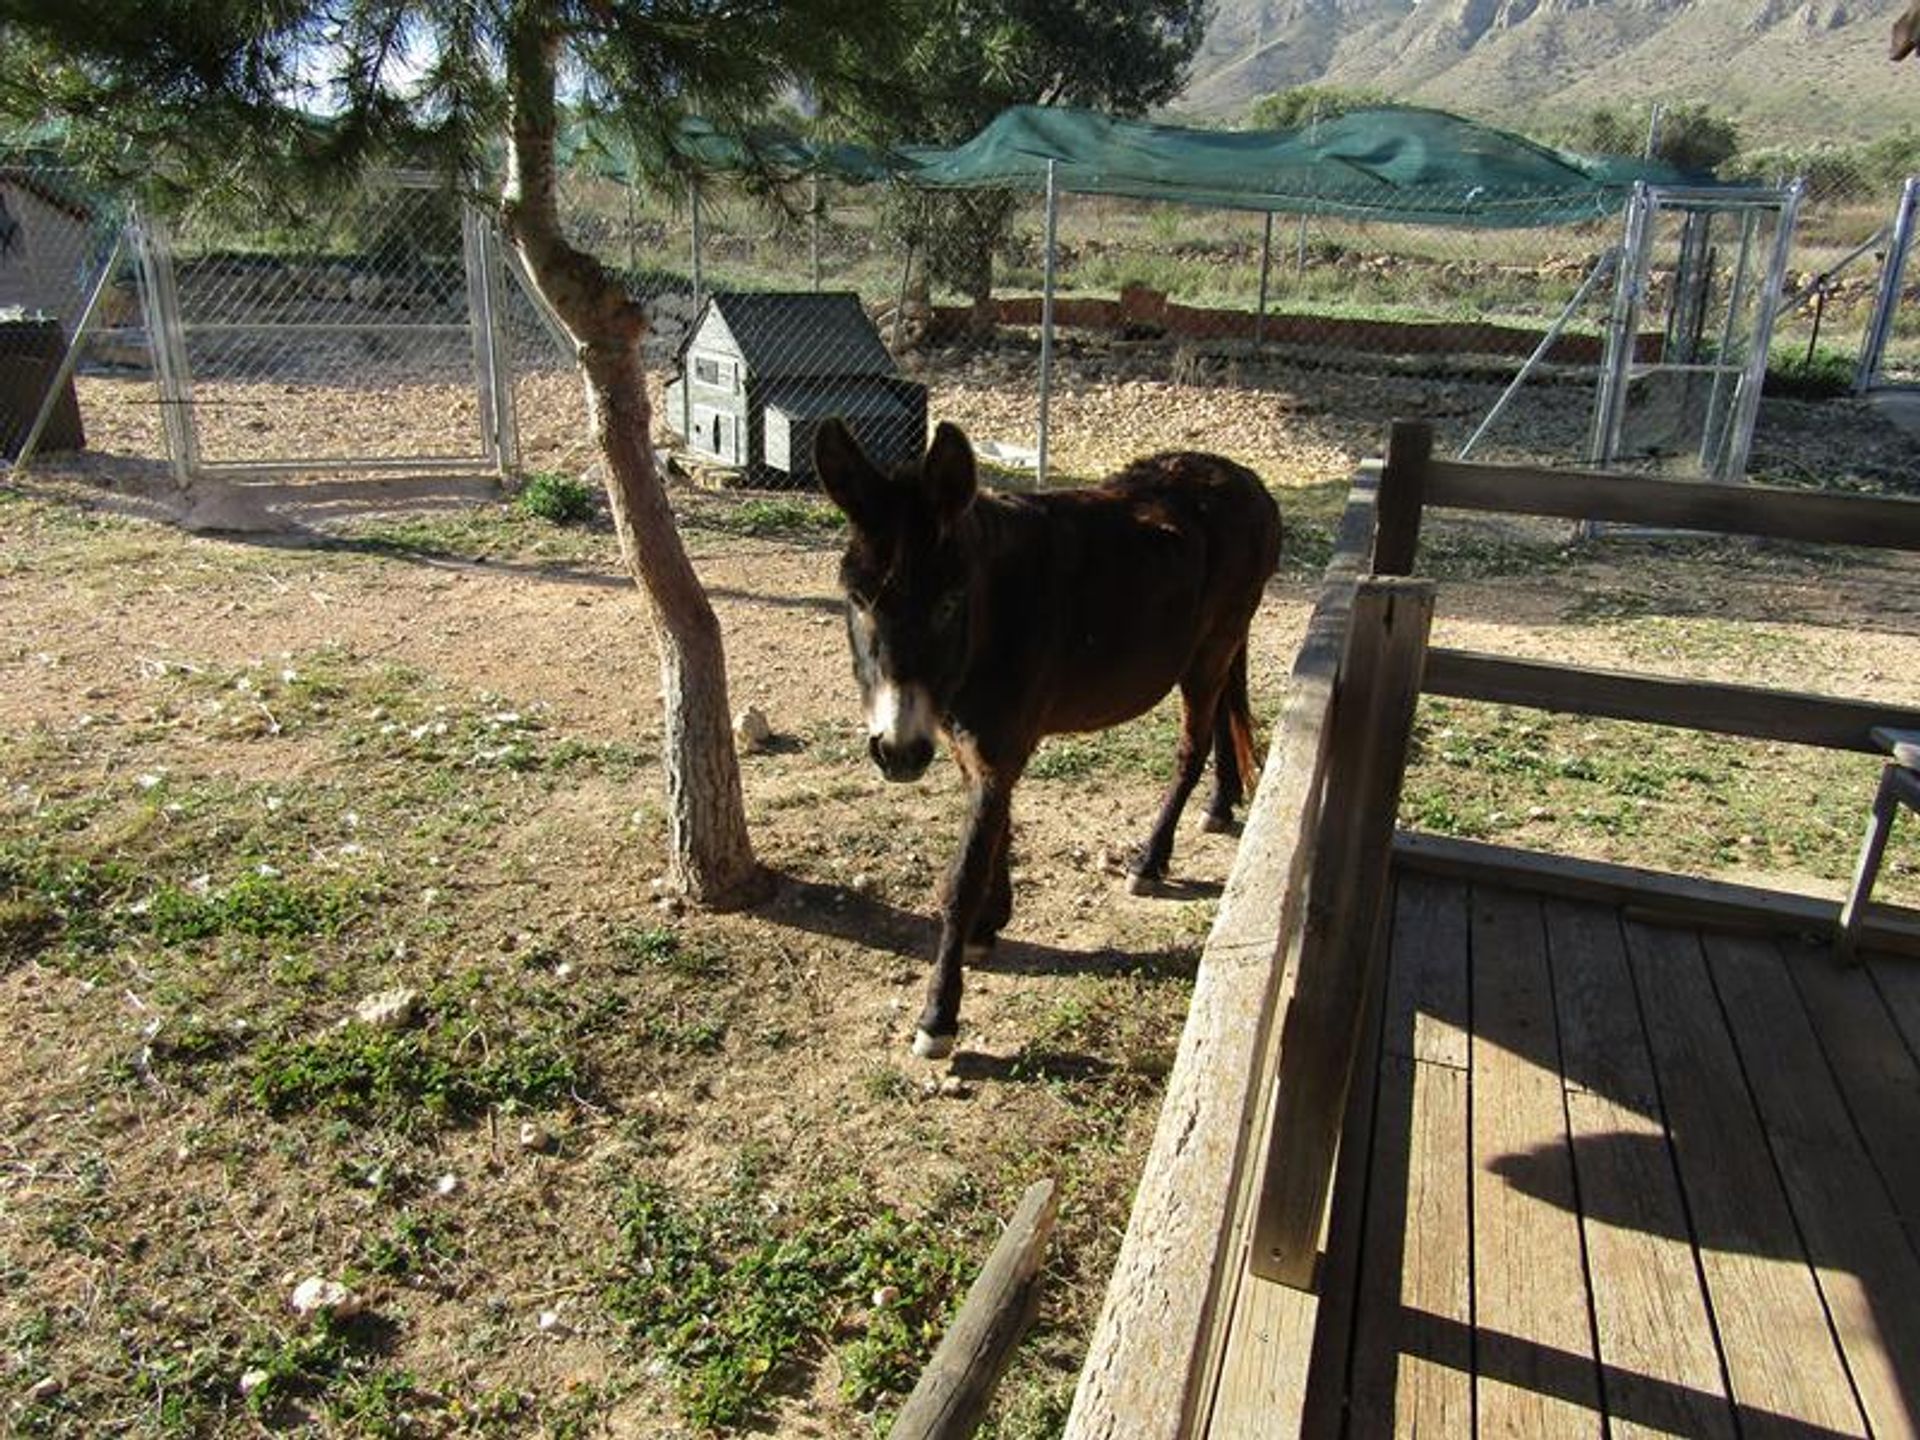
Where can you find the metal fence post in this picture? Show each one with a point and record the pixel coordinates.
(1887, 297)
(1046, 319)
(1266, 269)
(166, 343)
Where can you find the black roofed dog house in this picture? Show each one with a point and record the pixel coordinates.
(759, 372)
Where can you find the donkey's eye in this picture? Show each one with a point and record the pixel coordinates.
(948, 609)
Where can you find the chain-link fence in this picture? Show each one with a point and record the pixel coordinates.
(58, 249)
(389, 331)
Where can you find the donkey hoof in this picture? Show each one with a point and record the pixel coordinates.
(932, 1047)
(1219, 825)
(1139, 882)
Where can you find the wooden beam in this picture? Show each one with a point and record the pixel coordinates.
(1724, 709)
(1654, 894)
(1803, 515)
(951, 1397)
(1158, 1344)
(1396, 539)
(1379, 685)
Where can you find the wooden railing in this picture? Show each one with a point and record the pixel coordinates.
(1162, 1330)
(1241, 1164)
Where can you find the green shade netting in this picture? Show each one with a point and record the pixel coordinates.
(1391, 163)
(1394, 163)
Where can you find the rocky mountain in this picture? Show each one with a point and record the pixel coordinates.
(1790, 70)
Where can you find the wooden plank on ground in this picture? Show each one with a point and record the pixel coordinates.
(1718, 707)
(1868, 1272)
(1783, 1369)
(1529, 1282)
(1649, 893)
(1877, 1073)
(1411, 1370)
(1660, 1363)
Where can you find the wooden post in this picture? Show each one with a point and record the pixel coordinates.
(1403, 486)
(1373, 716)
(954, 1389)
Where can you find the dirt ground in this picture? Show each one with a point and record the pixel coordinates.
(194, 705)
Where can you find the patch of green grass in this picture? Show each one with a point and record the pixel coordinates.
(764, 519)
(407, 1077)
(639, 949)
(259, 905)
(738, 1301)
(558, 499)
(414, 1244)
(1143, 747)
(1649, 795)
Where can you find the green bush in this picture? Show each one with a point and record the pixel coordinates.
(559, 499)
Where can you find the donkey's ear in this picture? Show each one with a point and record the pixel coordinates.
(846, 474)
(948, 472)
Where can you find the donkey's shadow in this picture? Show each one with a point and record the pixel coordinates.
(845, 914)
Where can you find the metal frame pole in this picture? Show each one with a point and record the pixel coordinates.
(1608, 259)
(64, 372)
(1713, 442)
(1746, 395)
(693, 210)
(813, 229)
(1046, 318)
(1266, 269)
(167, 343)
(499, 356)
(1887, 300)
(479, 332)
(1621, 327)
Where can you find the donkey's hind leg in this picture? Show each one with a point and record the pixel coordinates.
(1198, 701)
(1232, 749)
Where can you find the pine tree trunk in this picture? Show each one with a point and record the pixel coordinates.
(710, 856)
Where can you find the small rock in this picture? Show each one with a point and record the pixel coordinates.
(549, 1323)
(536, 1138)
(885, 1295)
(751, 730)
(252, 1381)
(447, 1184)
(45, 1388)
(388, 1010)
(861, 884)
(317, 1296)
(954, 1088)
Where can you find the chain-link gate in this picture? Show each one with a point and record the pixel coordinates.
(368, 343)
(1706, 267)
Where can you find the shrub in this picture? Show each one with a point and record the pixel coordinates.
(559, 499)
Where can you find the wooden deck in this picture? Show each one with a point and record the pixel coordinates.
(1603, 1177)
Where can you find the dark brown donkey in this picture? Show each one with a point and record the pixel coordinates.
(997, 619)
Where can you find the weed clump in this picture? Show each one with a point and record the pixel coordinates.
(558, 499)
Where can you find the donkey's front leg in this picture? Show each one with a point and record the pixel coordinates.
(966, 896)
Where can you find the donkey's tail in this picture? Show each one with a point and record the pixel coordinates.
(1240, 720)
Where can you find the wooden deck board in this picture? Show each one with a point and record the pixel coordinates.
(1867, 1271)
(1660, 1362)
(1617, 1174)
(1536, 1373)
(1878, 1074)
(1411, 1369)
(1783, 1369)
